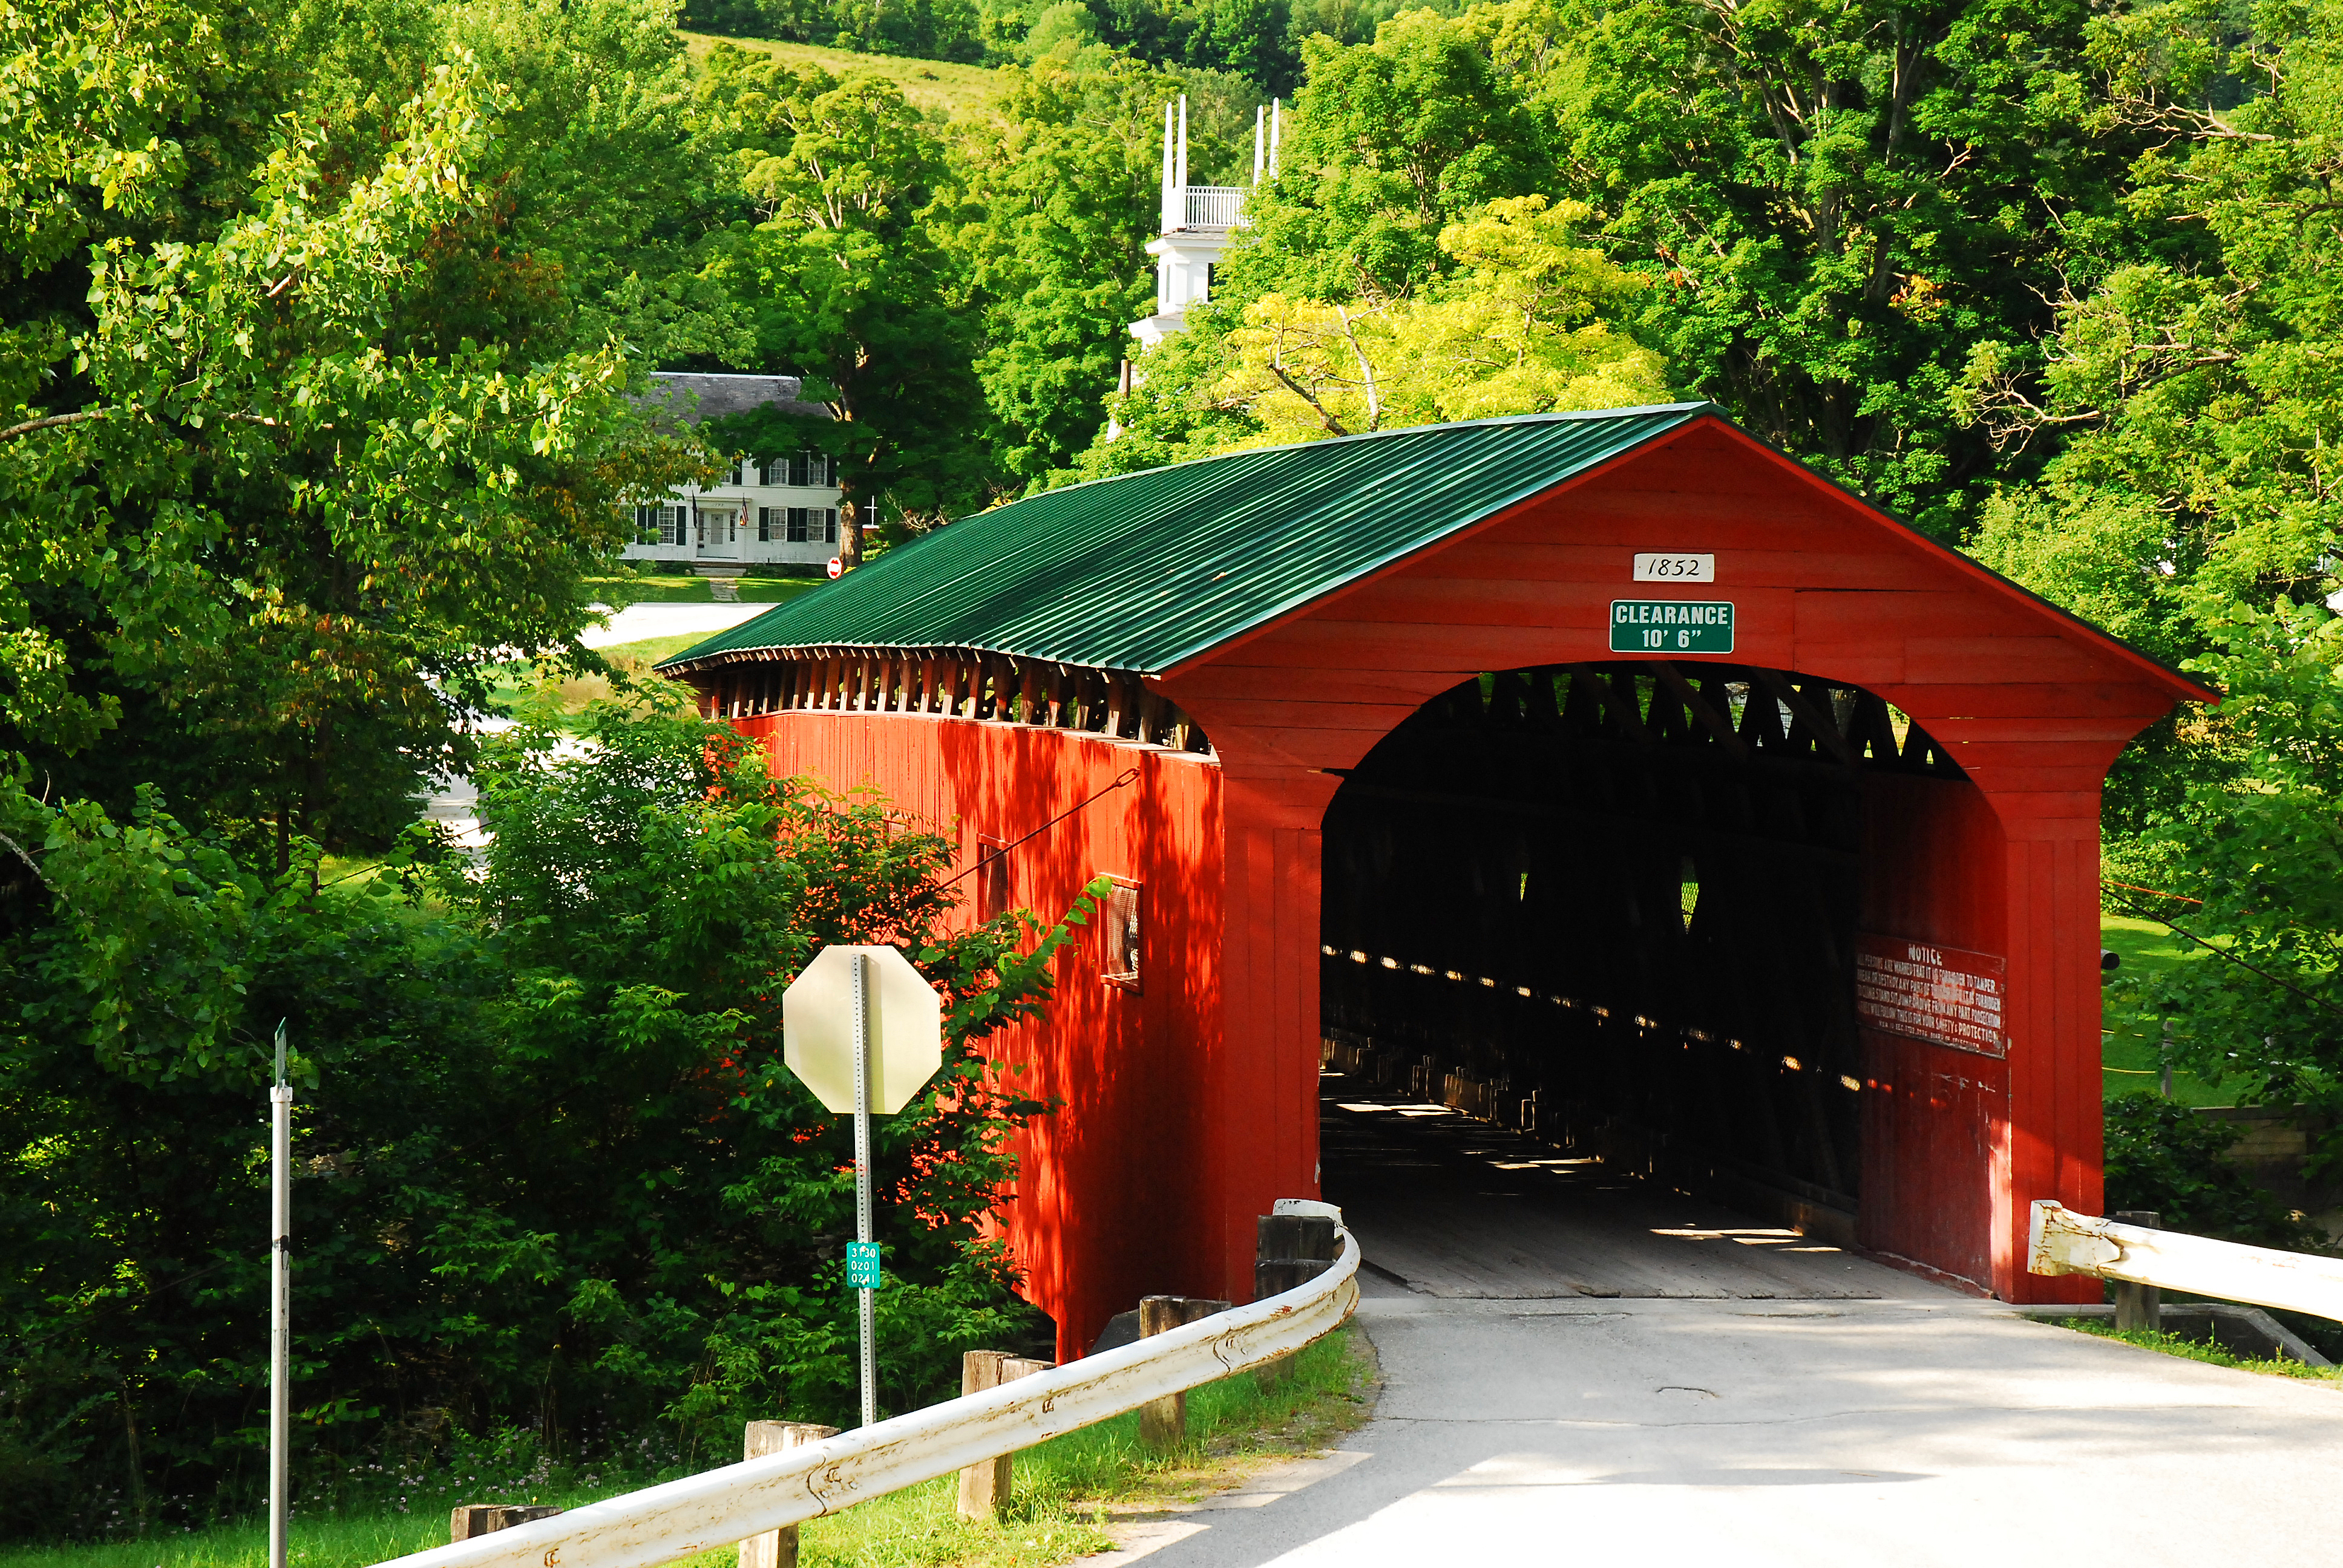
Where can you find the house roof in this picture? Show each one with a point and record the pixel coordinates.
(691, 397)
(1146, 571)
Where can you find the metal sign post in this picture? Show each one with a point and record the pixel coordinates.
(863, 1030)
(869, 1294)
(280, 1307)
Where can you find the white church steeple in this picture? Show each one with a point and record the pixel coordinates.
(1196, 220)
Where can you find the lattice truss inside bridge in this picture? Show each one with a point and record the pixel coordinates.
(1613, 905)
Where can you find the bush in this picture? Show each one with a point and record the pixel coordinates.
(2164, 1157)
(557, 1190)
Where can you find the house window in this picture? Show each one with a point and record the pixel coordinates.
(1119, 933)
(797, 525)
(658, 525)
(770, 524)
(829, 525)
(802, 469)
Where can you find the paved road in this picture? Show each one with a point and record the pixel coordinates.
(1456, 1207)
(454, 801)
(638, 623)
(1579, 1370)
(1813, 1434)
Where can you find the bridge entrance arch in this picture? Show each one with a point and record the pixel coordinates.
(1625, 908)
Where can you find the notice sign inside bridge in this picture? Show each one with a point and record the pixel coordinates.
(1942, 995)
(1671, 626)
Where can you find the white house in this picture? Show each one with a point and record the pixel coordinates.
(771, 508)
(1196, 221)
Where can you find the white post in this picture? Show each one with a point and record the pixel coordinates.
(862, 1181)
(1260, 142)
(280, 1307)
(1183, 180)
(1276, 112)
(1170, 216)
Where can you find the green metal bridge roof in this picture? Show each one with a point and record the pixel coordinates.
(1142, 571)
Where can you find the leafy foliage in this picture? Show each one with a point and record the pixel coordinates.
(1052, 219)
(1516, 333)
(308, 444)
(557, 1176)
(2167, 1159)
(844, 281)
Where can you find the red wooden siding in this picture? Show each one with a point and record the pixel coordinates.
(1112, 1185)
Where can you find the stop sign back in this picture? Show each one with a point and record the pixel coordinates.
(905, 1022)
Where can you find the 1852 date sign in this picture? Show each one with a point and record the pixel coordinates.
(1939, 994)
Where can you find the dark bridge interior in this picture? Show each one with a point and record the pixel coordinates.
(1611, 906)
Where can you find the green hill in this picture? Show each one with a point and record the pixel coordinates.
(962, 92)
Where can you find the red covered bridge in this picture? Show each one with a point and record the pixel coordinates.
(1609, 771)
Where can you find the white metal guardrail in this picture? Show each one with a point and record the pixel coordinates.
(719, 1507)
(2064, 1242)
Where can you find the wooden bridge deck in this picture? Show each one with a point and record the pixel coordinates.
(1456, 1207)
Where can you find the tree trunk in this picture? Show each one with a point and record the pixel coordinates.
(850, 533)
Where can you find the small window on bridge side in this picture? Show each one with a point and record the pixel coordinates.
(991, 876)
(1120, 934)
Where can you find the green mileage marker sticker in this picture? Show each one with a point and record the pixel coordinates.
(1671, 626)
(862, 1266)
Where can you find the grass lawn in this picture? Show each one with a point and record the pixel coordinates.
(651, 649)
(517, 682)
(2130, 1048)
(1067, 1490)
(626, 591)
(2210, 1351)
(960, 92)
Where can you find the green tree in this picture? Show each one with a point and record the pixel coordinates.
(2196, 395)
(2252, 851)
(1833, 207)
(1053, 214)
(2191, 397)
(1836, 205)
(123, 116)
(1518, 331)
(558, 1177)
(329, 427)
(844, 282)
(1388, 144)
(2190, 507)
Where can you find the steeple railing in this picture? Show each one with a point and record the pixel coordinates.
(1213, 206)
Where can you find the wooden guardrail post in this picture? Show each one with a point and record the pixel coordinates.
(2138, 1306)
(1163, 1422)
(1289, 1251)
(985, 1485)
(467, 1520)
(776, 1548)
